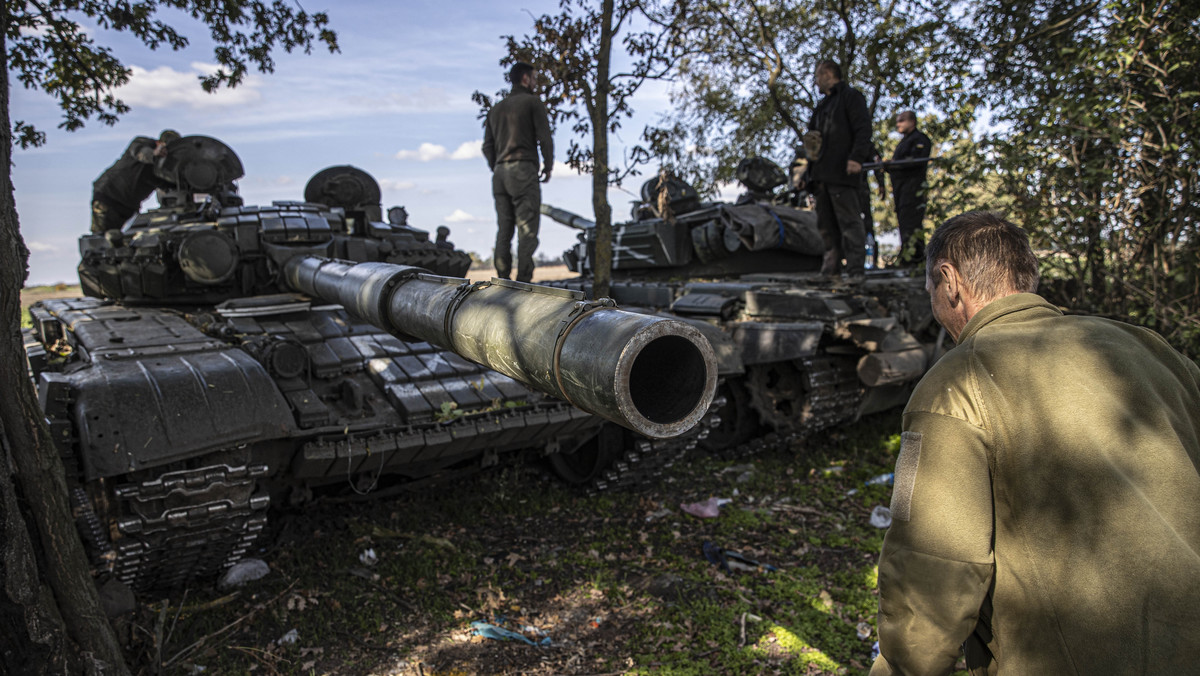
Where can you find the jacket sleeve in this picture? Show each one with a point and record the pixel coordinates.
(541, 125)
(860, 126)
(142, 149)
(921, 148)
(937, 562)
(489, 142)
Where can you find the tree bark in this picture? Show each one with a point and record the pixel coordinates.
(603, 211)
(52, 621)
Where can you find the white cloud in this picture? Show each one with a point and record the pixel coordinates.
(468, 150)
(41, 247)
(460, 216)
(729, 191)
(427, 152)
(165, 87)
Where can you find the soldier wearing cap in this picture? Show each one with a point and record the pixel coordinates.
(908, 187)
(118, 193)
(1044, 514)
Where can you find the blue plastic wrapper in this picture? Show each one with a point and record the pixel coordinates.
(875, 651)
(881, 480)
(501, 634)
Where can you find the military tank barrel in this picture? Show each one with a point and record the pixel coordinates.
(906, 163)
(653, 375)
(567, 218)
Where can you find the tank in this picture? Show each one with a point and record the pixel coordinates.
(796, 351)
(228, 358)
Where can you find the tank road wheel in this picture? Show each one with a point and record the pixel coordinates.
(739, 421)
(589, 461)
(805, 394)
(777, 393)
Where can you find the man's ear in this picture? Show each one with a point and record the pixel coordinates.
(946, 281)
(953, 287)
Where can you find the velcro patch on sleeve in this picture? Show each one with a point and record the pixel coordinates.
(906, 475)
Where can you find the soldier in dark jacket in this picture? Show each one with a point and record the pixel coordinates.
(1044, 514)
(118, 193)
(840, 133)
(515, 128)
(908, 187)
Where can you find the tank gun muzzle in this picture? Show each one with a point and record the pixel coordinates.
(653, 375)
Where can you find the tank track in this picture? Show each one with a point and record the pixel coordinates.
(186, 524)
(446, 262)
(642, 463)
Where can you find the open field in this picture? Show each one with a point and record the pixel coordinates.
(33, 294)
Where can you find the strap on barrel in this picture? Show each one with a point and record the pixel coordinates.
(460, 294)
(580, 310)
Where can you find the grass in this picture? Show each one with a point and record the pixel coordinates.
(616, 583)
(32, 294)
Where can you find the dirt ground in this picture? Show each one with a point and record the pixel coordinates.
(511, 572)
(542, 273)
(33, 294)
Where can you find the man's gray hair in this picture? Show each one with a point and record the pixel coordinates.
(992, 254)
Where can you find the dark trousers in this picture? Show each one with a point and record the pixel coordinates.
(839, 219)
(518, 207)
(909, 194)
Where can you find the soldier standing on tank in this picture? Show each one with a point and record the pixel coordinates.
(908, 187)
(118, 193)
(1044, 513)
(838, 144)
(515, 128)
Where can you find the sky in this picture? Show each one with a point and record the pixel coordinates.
(396, 102)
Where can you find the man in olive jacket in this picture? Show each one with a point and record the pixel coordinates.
(1046, 509)
(841, 126)
(119, 192)
(515, 128)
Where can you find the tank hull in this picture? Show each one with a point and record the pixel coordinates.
(177, 443)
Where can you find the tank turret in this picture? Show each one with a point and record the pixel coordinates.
(674, 233)
(229, 358)
(203, 246)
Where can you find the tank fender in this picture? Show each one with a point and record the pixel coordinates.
(133, 414)
(767, 342)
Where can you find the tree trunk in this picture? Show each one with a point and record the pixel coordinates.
(603, 211)
(52, 622)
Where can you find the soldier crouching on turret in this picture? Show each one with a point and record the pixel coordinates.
(120, 190)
